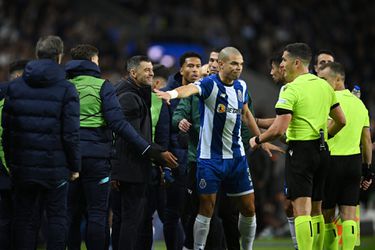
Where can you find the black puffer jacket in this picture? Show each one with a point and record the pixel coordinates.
(41, 125)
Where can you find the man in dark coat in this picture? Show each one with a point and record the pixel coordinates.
(41, 145)
(15, 70)
(100, 114)
(132, 173)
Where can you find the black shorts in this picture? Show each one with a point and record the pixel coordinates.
(342, 183)
(305, 169)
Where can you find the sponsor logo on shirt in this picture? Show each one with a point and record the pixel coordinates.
(234, 111)
(222, 109)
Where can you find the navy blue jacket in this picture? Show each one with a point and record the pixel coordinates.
(5, 183)
(165, 134)
(97, 142)
(41, 125)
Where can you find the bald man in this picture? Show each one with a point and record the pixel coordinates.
(221, 155)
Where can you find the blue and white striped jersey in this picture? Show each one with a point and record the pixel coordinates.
(220, 118)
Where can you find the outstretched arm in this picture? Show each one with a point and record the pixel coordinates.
(180, 92)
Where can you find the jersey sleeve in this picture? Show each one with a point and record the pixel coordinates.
(287, 99)
(367, 120)
(204, 86)
(246, 96)
(334, 102)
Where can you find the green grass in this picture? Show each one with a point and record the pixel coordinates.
(367, 243)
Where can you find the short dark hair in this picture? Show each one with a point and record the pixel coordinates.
(217, 50)
(49, 47)
(188, 55)
(83, 52)
(323, 51)
(161, 71)
(276, 58)
(135, 61)
(336, 68)
(17, 65)
(300, 50)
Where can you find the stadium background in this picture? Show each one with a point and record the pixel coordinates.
(165, 29)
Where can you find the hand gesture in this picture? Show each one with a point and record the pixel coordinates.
(163, 95)
(184, 125)
(115, 184)
(169, 159)
(268, 147)
(253, 144)
(74, 176)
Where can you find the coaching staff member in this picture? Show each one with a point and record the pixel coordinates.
(132, 173)
(41, 144)
(344, 176)
(302, 110)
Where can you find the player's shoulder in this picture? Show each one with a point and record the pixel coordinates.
(360, 105)
(241, 82)
(290, 88)
(206, 80)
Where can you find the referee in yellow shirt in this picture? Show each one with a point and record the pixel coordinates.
(344, 175)
(302, 110)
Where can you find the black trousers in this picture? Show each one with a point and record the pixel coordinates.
(175, 205)
(155, 201)
(5, 219)
(89, 197)
(132, 208)
(29, 202)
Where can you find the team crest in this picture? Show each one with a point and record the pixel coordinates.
(202, 183)
(239, 95)
(220, 108)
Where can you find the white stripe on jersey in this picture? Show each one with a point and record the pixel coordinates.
(244, 94)
(230, 122)
(206, 130)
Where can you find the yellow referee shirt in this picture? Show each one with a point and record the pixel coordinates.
(309, 99)
(347, 140)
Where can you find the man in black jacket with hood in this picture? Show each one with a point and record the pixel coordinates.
(131, 173)
(100, 114)
(41, 145)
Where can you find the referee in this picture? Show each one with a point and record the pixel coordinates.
(344, 175)
(302, 110)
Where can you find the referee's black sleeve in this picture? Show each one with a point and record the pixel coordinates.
(280, 111)
(334, 105)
